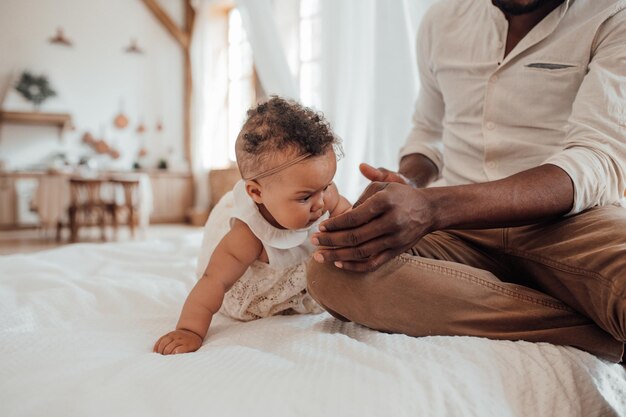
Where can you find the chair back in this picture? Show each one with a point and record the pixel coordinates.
(84, 191)
(130, 189)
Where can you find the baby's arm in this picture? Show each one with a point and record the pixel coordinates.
(237, 250)
(338, 203)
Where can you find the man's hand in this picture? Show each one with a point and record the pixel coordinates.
(178, 341)
(388, 219)
(382, 175)
(415, 170)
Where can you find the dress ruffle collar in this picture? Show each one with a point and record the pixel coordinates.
(247, 210)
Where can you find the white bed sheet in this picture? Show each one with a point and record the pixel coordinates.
(78, 324)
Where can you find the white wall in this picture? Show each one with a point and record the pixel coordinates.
(93, 78)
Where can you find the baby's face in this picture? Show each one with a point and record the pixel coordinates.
(297, 196)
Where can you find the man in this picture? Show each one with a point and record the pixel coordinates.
(522, 112)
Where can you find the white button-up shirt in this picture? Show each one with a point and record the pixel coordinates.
(558, 97)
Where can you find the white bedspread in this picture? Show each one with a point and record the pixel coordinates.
(78, 325)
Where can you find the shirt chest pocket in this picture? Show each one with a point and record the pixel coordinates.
(545, 91)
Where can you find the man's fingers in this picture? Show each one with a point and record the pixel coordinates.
(356, 217)
(348, 238)
(371, 173)
(367, 266)
(358, 252)
(351, 228)
(381, 174)
(370, 191)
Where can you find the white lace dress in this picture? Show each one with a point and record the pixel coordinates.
(265, 289)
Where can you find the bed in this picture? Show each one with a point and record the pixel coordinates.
(78, 324)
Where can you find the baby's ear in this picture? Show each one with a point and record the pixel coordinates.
(255, 191)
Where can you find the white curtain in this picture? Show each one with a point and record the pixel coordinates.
(369, 79)
(369, 74)
(210, 71)
(209, 58)
(270, 59)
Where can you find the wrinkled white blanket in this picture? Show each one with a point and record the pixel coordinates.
(78, 323)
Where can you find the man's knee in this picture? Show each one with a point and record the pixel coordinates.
(367, 298)
(616, 316)
(316, 280)
(349, 296)
(609, 262)
(325, 283)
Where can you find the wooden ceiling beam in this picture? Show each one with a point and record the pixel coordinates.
(190, 17)
(182, 37)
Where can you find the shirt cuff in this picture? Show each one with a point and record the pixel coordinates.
(594, 180)
(434, 156)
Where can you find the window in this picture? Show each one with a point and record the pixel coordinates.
(241, 78)
(310, 44)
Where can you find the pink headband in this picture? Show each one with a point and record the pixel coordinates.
(278, 168)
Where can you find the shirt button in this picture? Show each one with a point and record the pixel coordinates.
(491, 165)
(493, 78)
(490, 125)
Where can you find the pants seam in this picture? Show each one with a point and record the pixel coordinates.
(505, 238)
(567, 268)
(495, 287)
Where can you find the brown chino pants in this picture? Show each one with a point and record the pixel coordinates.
(562, 282)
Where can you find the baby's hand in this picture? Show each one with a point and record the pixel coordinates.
(178, 341)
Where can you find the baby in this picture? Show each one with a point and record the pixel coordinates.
(257, 237)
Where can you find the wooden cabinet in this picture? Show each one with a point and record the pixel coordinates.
(16, 193)
(172, 195)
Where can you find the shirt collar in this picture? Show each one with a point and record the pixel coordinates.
(564, 6)
(543, 29)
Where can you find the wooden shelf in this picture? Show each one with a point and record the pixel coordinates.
(61, 120)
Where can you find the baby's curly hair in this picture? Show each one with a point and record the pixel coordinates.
(277, 126)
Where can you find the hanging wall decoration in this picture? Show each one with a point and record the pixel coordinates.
(133, 48)
(34, 89)
(121, 120)
(60, 39)
(141, 128)
(100, 146)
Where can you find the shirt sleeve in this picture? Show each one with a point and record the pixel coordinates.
(426, 132)
(594, 155)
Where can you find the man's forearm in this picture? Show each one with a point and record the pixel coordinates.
(420, 170)
(528, 197)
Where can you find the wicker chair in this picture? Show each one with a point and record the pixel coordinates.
(127, 209)
(87, 209)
